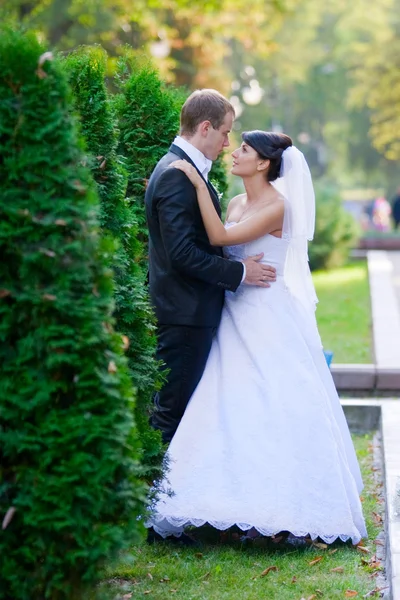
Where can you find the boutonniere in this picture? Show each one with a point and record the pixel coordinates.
(215, 186)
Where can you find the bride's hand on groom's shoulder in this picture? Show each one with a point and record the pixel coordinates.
(190, 172)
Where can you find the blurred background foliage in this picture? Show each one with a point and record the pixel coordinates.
(326, 73)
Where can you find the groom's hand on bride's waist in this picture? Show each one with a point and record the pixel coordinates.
(258, 273)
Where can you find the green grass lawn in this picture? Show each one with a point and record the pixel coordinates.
(344, 313)
(223, 568)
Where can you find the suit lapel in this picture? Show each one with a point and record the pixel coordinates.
(213, 193)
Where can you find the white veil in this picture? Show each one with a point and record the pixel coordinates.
(295, 185)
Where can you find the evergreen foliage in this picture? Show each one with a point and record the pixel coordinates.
(219, 179)
(148, 112)
(86, 68)
(336, 231)
(69, 494)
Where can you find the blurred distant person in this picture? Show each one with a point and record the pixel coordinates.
(396, 209)
(381, 214)
(365, 220)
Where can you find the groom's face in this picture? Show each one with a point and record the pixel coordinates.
(217, 139)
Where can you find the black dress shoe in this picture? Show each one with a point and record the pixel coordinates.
(184, 539)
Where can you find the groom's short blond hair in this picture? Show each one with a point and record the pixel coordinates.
(204, 105)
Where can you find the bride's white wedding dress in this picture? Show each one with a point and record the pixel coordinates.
(264, 442)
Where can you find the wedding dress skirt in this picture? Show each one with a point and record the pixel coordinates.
(263, 442)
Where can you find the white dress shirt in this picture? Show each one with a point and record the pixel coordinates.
(202, 163)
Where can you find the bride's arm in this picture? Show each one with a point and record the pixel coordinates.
(266, 220)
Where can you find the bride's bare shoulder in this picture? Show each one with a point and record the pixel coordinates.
(277, 200)
(276, 195)
(239, 199)
(235, 202)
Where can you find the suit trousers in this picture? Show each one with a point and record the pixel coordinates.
(184, 350)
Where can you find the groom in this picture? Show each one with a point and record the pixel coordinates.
(188, 276)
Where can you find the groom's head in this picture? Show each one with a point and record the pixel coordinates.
(206, 121)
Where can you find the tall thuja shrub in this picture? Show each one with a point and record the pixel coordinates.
(148, 112)
(69, 494)
(86, 69)
(148, 117)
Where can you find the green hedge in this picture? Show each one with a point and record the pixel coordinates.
(86, 69)
(336, 230)
(148, 114)
(148, 119)
(69, 494)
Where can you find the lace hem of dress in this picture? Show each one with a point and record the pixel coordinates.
(157, 520)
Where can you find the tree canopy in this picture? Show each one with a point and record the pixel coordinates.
(328, 73)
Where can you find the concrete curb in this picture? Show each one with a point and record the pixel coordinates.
(388, 243)
(365, 377)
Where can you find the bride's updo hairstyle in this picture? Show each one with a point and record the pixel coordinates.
(268, 145)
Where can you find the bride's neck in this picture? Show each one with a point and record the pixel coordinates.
(255, 187)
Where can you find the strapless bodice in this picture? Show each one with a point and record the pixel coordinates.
(274, 250)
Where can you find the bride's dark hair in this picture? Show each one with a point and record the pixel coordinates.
(268, 145)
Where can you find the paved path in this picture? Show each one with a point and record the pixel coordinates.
(391, 449)
(394, 258)
(384, 414)
(384, 279)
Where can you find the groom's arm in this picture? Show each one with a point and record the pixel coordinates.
(176, 205)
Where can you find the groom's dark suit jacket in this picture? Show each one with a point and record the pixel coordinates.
(187, 276)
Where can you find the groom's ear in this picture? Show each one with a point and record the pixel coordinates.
(204, 128)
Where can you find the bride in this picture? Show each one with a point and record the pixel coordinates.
(264, 443)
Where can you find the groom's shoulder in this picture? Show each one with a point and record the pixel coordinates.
(167, 159)
(163, 175)
(164, 162)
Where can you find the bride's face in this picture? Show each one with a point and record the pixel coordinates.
(245, 161)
